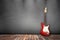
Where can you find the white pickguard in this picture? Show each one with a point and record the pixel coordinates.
(45, 29)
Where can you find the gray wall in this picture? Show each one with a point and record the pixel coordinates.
(19, 16)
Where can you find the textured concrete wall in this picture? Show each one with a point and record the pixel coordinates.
(19, 16)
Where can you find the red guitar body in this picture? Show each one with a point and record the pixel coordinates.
(44, 30)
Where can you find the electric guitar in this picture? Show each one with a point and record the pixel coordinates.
(45, 28)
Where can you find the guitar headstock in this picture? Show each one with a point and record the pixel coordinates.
(45, 10)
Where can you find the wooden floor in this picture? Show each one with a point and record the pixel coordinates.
(29, 37)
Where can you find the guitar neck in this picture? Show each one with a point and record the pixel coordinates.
(45, 11)
(45, 21)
